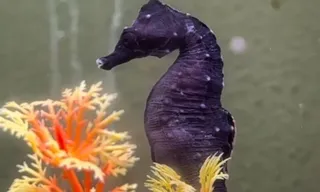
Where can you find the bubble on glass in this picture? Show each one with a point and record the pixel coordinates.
(238, 45)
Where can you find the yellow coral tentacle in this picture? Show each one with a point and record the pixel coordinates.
(211, 171)
(166, 180)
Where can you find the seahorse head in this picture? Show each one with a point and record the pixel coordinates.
(157, 31)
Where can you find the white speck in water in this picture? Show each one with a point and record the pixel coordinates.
(208, 78)
(301, 111)
(203, 105)
(238, 45)
(217, 129)
(301, 105)
(207, 55)
(175, 34)
(148, 16)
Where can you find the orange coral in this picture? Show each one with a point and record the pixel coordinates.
(62, 136)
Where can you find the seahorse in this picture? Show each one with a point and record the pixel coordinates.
(184, 119)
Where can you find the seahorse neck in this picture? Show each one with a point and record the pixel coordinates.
(201, 55)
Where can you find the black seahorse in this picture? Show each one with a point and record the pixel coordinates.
(184, 119)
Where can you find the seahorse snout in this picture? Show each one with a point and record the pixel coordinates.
(102, 63)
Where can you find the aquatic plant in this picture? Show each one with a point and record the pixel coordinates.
(167, 180)
(63, 137)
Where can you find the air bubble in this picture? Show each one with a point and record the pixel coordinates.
(238, 45)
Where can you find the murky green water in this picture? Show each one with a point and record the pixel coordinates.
(272, 89)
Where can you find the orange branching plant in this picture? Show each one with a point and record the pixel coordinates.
(70, 135)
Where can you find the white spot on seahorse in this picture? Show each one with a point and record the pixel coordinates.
(207, 55)
(148, 16)
(175, 34)
(166, 101)
(203, 105)
(217, 129)
(173, 86)
(208, 78)
(170, 135)
(190, 27)
(197, 156)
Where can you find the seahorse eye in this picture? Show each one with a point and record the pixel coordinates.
(125, 41)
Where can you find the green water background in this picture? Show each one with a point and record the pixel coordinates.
(272, 89)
